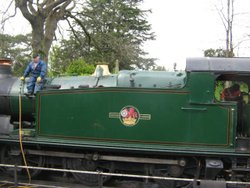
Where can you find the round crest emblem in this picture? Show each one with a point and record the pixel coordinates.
(129, 116)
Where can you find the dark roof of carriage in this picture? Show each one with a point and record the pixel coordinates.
(227, 65)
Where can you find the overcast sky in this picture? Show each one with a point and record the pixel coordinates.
(183, 28)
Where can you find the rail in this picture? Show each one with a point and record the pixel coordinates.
(119, 174)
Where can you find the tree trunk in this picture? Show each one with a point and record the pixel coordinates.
(50, 28)
(37, 37)
(43, 17)
(228, 28)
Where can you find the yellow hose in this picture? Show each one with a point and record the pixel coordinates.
(20, 137)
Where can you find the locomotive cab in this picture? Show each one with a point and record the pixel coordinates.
(228, 73)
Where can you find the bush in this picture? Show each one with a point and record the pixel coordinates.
(80, 67)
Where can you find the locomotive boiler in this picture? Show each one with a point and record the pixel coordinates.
(160, 123)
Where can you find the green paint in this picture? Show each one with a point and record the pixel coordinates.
(201, 87)
(84, 114)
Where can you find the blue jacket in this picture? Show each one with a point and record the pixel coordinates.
(40, 70)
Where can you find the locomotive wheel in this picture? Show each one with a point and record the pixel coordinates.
(7, 158)
(37, 161)
(164, 183)
(88, 165)
(170, 171)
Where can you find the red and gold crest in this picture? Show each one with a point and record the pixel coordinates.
(129, 116)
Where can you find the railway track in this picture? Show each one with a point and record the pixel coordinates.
(54, 178)
(50, 180)
(8, 183)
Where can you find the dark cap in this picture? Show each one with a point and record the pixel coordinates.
(35, 55)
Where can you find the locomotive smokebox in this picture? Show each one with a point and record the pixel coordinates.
(6, 82)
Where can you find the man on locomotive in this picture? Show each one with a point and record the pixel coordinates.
(232, 93)
(37, 68)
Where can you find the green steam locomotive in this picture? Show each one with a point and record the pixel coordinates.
(167, 124)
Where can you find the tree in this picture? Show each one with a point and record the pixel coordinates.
(227, 18)
(63, 54)
(159, 68)
(110, 31)
(80, 67)
(216, 52)
(43, 15)
(18, 49)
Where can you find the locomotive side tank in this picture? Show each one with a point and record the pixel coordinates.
(153, 109)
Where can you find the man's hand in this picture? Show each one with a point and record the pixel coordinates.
(38, 80)
(22, 78)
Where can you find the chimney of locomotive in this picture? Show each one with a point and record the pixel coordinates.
(5, 68)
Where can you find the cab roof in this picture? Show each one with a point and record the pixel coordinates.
(222, 65)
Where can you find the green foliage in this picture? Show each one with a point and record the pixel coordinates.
(107, 31)
(218, 89)
(80, 67)
(159, 68)
(17, 48)
(214, 52)
(59, 60)
(217, 53)
(119, 29)
(244, 87)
